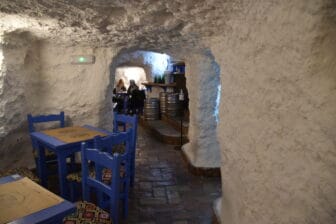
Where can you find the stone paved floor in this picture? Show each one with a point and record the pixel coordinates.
(165, 192)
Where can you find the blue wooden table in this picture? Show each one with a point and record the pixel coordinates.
(63, 150)
(53, 214)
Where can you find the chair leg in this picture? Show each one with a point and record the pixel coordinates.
(75, 190)
(114, 210)
(100, 199)
(42, 167)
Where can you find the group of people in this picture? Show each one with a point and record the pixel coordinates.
(132, 101)
(120, 87)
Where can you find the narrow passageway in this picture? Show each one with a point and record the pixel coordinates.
(165, 191)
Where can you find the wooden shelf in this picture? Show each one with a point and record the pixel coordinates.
(149, 85)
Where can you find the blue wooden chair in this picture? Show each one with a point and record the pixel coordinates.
(110, 144)
(127, 121)
(33, 121)
(88, 212)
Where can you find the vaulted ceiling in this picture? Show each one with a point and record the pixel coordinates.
(140, 23)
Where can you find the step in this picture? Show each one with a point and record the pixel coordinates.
(175, 122)
(163, 131)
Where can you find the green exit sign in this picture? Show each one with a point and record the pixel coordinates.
(83, 59)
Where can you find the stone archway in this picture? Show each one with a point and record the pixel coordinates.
(203, 84)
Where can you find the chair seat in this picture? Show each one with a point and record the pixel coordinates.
(106, 175)
(22, 171)
(88, 213)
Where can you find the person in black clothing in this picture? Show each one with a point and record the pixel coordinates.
(133, 94)
(132, 87)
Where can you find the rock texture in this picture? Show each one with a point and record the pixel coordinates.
(14, 78)
(274, 59)
(203, 149)
(278, 113)
(142, 24)
(38, 78)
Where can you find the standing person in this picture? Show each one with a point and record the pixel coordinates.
(133, 92)
(120, 87)
(119, 97)
(132, 87)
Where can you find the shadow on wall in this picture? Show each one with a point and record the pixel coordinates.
(18, 61)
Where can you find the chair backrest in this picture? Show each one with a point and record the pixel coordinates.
(101, 160)
(107, 144)
(32, 120)
(127, 121)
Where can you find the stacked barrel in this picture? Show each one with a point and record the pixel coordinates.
(163, 99)
(151, 109)
(167, 104)
(173, 105)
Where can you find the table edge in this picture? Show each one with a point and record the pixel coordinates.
(64, 208)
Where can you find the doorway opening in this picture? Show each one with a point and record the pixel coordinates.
(197, 77)
(128, 73)
(161, 92)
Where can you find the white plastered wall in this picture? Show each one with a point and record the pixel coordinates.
(202, 75)
(86, 87)
(278, 113)
(13, 106)
(39, 79)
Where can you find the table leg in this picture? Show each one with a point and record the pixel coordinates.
(62, 172)
(42, 167)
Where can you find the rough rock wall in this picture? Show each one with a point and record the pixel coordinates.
(278, 114)
(13, 103)
(38, 78)
(202, 82)
(174, 26)
(277, 117)
(82, 91)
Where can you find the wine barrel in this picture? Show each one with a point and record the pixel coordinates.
(151, 109)
(172, 105)
(163, 99)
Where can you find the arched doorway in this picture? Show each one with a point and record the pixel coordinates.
(203, 84)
